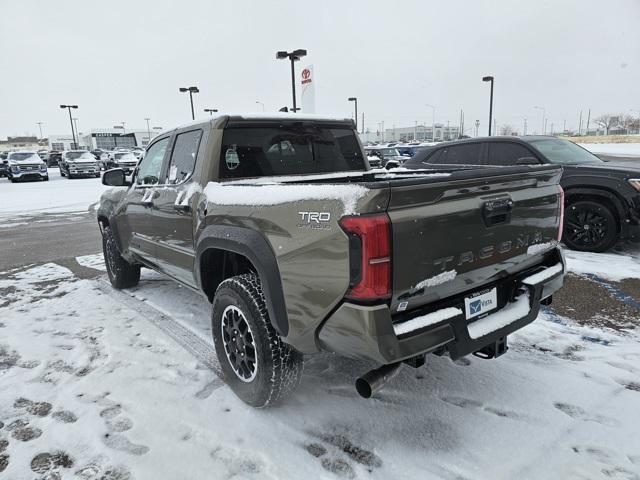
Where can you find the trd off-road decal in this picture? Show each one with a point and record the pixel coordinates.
(315, 220)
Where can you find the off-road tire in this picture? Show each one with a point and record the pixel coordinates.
(279, 366)
(601, 231)
(122, 274)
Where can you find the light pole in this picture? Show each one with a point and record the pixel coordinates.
(210, 111)
(75, 123)
(355, 100)
(294, 57)
(477, 127)
(191, 91)
(40, 126)
(262, 104)
(544, 117)
(433, 121)
(148, 130)
(73, 133)
(490, 79)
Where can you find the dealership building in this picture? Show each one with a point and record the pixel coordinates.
(419, 133)
(105, 138)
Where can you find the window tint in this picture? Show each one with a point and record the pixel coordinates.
(288, 149)
(183, 158)
(437, 157)
(151, 165)
(468, 154)
(506, 153)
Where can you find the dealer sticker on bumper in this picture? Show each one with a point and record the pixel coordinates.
(480, 303)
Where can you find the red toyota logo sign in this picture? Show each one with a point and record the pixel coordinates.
(306, 73)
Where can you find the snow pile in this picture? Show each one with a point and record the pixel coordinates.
(95, 261)
(426, 320)
(614, 149)
(612, 266)
(543, 275)
(267, 194)
(506, 316)
(540, 247)
(436, 280)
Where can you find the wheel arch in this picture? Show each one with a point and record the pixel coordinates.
(597, 193)
(237, 250)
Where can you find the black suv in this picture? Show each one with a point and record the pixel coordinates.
(602, 199)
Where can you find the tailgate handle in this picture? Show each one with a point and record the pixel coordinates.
(495, 212)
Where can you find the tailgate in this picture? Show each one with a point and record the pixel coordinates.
(460, 233)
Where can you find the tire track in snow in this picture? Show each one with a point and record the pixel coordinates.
(191, 342)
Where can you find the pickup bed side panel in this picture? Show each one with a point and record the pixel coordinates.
(312, 257)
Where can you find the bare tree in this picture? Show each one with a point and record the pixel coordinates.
(506, 130)
(607, 121)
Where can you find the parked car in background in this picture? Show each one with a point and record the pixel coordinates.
(53, 158)
(602, 198)
(125, 160)
(4, 164)
(102, 156)
(138, 152)
(79, 163)
(43, 154)
(26, 165)
(387, 155)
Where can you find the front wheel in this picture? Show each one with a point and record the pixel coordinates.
(589, 226)
(258, 366)
(122, 274)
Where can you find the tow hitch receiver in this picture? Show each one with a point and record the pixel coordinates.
(493, 350)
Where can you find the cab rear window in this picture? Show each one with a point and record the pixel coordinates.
(258, 151)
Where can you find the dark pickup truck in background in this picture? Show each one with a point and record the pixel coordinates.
(280, 223)
(602, 198)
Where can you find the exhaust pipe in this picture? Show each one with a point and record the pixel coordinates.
(372, 381)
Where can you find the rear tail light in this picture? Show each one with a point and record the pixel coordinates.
(370, 256)
(561, 206)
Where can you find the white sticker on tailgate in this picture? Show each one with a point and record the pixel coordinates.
(480, 303)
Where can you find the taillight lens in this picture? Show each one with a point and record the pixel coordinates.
(561, 199)
(370, 249)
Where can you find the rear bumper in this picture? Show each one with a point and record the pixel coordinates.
(368, 332)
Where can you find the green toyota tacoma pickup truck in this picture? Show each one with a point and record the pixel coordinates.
(301, 247)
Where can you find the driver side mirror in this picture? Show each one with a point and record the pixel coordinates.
(528, 161)
(115, 178)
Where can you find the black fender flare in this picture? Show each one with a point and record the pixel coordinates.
(252, 245)
(600, 192)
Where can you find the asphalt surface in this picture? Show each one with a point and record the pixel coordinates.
(45, 239)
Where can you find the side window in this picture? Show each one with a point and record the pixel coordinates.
(183, 157)
(436, 158)
(468, 154)
(151, 165)
(506, 153)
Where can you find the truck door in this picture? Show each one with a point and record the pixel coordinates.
(173, 209)
(139, 202)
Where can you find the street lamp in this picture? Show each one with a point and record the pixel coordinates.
(40, 126)
(191, 91)
(75, 123)
(210, 111)
(148, 130)
(544, 117)
(490, 79)
(294, 57)
(433, 121)
(73, 133)
(355, 100)
(262, 104)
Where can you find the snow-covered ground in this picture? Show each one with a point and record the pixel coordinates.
(58, 196)
(96, 383)
(615, 149)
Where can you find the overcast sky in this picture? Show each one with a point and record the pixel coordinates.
(122, 61)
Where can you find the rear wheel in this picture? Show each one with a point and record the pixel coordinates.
(258, 366)
(122, 274)
(590, 226)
